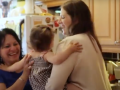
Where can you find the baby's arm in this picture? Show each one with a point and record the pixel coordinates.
(15, 67)
(62, 56)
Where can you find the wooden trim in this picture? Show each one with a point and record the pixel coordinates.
(92, 9)
(111, 49)
(117, 20)
(89, 4)
(55, 3)
(109, 20)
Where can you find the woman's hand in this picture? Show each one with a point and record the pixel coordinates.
(27, 67)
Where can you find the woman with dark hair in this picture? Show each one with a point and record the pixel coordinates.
(10, 53)
(88, 71)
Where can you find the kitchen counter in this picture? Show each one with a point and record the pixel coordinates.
(115, 86)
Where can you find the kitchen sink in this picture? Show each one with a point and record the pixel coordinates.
(115, 87)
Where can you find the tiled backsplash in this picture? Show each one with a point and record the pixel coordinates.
(111, 56)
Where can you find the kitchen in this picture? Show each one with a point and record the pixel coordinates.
(106, 17)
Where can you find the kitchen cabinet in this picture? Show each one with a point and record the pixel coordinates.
(54, 3)
(106, 18)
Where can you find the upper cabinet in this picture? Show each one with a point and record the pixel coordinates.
(117, 22)
(106, 18)
(104, 21)
(54, 3)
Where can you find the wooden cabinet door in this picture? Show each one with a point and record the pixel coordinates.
(89, 3)
(103, 12)
(54, 3)
(117, 22)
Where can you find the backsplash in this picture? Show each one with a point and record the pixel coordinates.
(113, 71)
(111, 56)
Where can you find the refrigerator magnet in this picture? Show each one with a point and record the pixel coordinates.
(48, 20)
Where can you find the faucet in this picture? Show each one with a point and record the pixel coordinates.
(113, 63)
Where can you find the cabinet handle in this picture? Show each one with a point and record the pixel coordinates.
(117, 42)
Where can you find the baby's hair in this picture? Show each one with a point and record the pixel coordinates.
(41, 37)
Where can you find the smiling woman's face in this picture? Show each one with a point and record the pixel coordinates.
(10, 50)
(66, 21)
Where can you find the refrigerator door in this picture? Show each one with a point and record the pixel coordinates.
(50, 21)
(26, 33)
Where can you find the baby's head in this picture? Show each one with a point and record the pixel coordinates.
(41, 38)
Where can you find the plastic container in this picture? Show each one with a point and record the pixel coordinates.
(117, 72)
(118, 82)
(29, 6)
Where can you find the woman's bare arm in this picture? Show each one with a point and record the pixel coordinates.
(21, 81)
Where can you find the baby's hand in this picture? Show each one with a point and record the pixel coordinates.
(75, 47)
(3, 67)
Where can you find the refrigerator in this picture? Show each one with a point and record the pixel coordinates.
(22, 25)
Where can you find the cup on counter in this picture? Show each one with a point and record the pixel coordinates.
(117, 72)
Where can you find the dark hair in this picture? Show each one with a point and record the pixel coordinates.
(78, 10)
(3, 34)
(41, 37)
